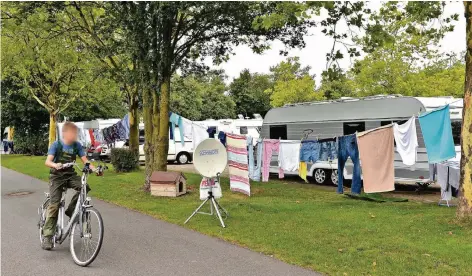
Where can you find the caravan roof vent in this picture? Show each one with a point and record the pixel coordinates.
(240, 116)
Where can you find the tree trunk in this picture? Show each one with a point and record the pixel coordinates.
(133, 128)
(52, 128)
(162, 150)
(148, 135)
(464, 209)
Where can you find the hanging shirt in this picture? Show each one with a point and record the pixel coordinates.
(211, 132)
(437, 134)
(406, 141)
(289, 155)
(376, 153)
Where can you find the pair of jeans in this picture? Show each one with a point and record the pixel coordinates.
(310, 151)
(347, 147)
(328, 151)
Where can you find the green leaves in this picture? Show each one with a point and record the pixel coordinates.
(292, 84)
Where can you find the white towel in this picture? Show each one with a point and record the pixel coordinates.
(199, 133)
(289, 155)
(406, 141)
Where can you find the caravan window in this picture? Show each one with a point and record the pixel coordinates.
(277, 132)
(456, 132)
(243, 130)
(352, 127)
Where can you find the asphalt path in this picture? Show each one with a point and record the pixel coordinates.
(134, 244)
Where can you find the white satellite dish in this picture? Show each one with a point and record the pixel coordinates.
(210, 158)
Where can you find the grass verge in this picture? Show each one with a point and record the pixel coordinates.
(304, 224)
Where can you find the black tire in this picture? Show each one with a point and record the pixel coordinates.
(183, 158)
(73, 236)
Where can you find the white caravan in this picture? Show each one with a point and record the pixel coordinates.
(242, 126)
(329, 119)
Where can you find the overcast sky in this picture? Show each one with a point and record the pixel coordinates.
(317, 45)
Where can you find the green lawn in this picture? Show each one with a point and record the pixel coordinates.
(305, 225)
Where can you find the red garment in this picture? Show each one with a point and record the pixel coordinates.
(92, 138)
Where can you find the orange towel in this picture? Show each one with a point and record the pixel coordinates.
(376, 153)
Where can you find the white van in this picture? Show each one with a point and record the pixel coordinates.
(182, 153)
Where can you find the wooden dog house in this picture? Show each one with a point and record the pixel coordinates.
(170, 184)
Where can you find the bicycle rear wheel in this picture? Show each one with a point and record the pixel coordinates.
(85, 249)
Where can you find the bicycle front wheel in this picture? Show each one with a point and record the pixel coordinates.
(85, 244)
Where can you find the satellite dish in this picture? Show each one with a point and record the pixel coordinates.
(210, 158)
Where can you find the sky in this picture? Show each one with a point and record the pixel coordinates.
(317, 45)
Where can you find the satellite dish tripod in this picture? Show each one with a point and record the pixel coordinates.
(214, 205)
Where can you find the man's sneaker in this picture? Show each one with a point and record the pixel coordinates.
(47, 243)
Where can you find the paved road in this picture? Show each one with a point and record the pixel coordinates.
(134, 244)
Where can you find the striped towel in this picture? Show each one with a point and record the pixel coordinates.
(237, 162)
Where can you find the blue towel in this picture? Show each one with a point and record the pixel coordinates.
(175, 119)
(437, 134)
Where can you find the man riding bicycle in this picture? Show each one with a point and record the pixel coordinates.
(59, 153)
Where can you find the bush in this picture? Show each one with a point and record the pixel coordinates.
(124, 160)
(31, 143)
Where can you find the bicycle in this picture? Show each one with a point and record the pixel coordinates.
(80, 224)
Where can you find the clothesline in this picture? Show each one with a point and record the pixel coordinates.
(374, 147)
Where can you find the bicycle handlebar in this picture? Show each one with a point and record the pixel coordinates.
(99, 169)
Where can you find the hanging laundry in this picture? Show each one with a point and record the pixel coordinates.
(222, 137)
(328, 149)
(98, 134)
(433, 170)
(176, 120)
(302, 171)
(377, 153)
(437, 134)
(121, 131)
(289, 156)
(124, 127)
(347, 147)
(187, 126)
(256, 175)
(310, 151)
(406, 141)
(448, 174)
(271, 146)
(250, 149)
(211, 132)
(238, 164)
(199, 133)
(107, 136)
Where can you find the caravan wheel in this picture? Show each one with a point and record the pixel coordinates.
(183, 158)
(319, 176)
(334, 177)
